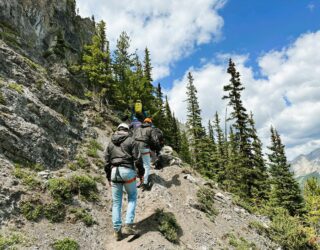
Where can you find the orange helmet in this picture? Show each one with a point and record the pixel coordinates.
(148, 120)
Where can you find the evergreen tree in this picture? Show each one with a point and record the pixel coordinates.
(232, 180)
(194, 122)
(147, 66)
(176, 135)
(184, 148)
(259, 175)
(122, 64)
(241, 131)
(285, 191)
(220, 150)
(239, 114)
(193, 111)
(159, 117)
(168, 124)
(211, 132)
(96, 62)
(312, 198)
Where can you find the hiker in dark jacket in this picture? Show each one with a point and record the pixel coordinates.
(143, 138)
(120, 157)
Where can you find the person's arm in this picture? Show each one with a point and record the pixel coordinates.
(107, 167)
(137, 159)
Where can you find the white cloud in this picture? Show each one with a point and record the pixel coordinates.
(291, 73)
(169, 28)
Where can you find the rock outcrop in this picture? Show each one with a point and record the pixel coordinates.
(38, 122)
(35, 26)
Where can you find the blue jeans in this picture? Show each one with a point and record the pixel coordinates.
(145, 152)
(117, 192)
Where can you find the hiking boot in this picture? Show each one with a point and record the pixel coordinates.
(130, 229)
(117, 235)
(147, 186)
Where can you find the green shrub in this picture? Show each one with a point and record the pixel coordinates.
(37, 167)
(55, 212)
(65, 244)
(60, 189)
(245, 204)
(85, 186)
(73, 166)
(98, 120)
(241, 243)
(31, 182)
(32, 209)
(83, 215)
(258, 226)
(93, 148)
(2, 99)
(206, 200)
(82, 162)
(168, 225)
(27, 178)
(8, 241)
(88, 94)
(287, 231)
(17, 87)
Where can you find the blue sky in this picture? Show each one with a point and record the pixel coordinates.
(254, 27)
(275, 44)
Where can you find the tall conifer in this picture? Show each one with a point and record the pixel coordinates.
(241, 130)
(285, 191)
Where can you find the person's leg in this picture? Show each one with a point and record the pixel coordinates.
(145, 152)
(117, 191)
(131, 190)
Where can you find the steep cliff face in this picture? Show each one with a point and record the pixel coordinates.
(38, 123)
(36, 25)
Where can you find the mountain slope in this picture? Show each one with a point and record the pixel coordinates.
(305, 166)
(52, 138)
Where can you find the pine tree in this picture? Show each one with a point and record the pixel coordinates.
(159, 117)
(122, 64)
(312, 197)
(211, 131)
(96, 62)
(168, 123)
(193, 111)
(239, 114)
(285, 191)
(147, 66)
(241, 130)
(184, 148)
(232, 180)
(194, 122)
(220, 150)
(176, 135)
(259, 175)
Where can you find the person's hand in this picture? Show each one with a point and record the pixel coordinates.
(141, 181)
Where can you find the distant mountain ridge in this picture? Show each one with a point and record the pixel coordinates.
(305, 166)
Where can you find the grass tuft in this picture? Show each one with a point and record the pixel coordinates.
(83, 215)
(168, 225)
(32, 209)
(65, 244)
(206, 202)
(60, 189)
(17, 87)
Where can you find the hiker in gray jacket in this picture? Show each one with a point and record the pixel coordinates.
(120, 157)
